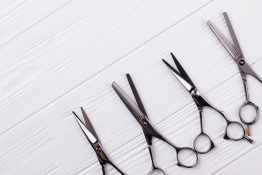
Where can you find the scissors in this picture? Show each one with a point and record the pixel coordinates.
(91, 136)
(186, 157)
(235, 51)
(201, 102)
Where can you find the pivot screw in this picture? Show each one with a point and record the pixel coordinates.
(98, 149)
(241, 62)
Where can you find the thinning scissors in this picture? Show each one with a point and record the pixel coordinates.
(139, 113)
(236, 53)
(201, 102)
(91, 136)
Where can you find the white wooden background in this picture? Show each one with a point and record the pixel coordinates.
(58, 55)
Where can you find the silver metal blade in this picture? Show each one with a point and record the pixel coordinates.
(188, 86)
(87, 133)
(224, 41)
(136, 95)
(133, 108)
(233, 35)
(88, 123)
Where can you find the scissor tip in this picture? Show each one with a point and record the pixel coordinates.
(210, 24)
(74, 113)
(114, 85)
(165, 61)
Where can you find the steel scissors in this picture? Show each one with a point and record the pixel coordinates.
(91, 136)
(139, 113)
(201, 102)
(235, 51)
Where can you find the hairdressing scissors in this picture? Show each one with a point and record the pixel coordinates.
(235, 51)
(91, 136)
(201, 102)
(186, 157)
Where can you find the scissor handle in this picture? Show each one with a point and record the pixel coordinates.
(156, 171)
(103, 165)
(243, 136)
(113, 165)
(229, 123)
(254, 106)
(103, 169)
(180, 151)
(183, 150)
(211, 143)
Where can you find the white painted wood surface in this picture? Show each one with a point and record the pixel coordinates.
(59, 55)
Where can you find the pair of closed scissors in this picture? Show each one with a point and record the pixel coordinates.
(91, 136)
(235, 51)
(186, 157)
(201, 102)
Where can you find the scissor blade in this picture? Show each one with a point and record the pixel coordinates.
(87, 133)
(224, 41)
(136, 95)
(181, 70)
(188, 86)
(88, 123)
(233, 35)
(132, 107)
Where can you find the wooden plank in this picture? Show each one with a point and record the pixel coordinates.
(49, 141)
(73, 45)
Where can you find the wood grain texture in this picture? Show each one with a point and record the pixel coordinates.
(59, 55)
